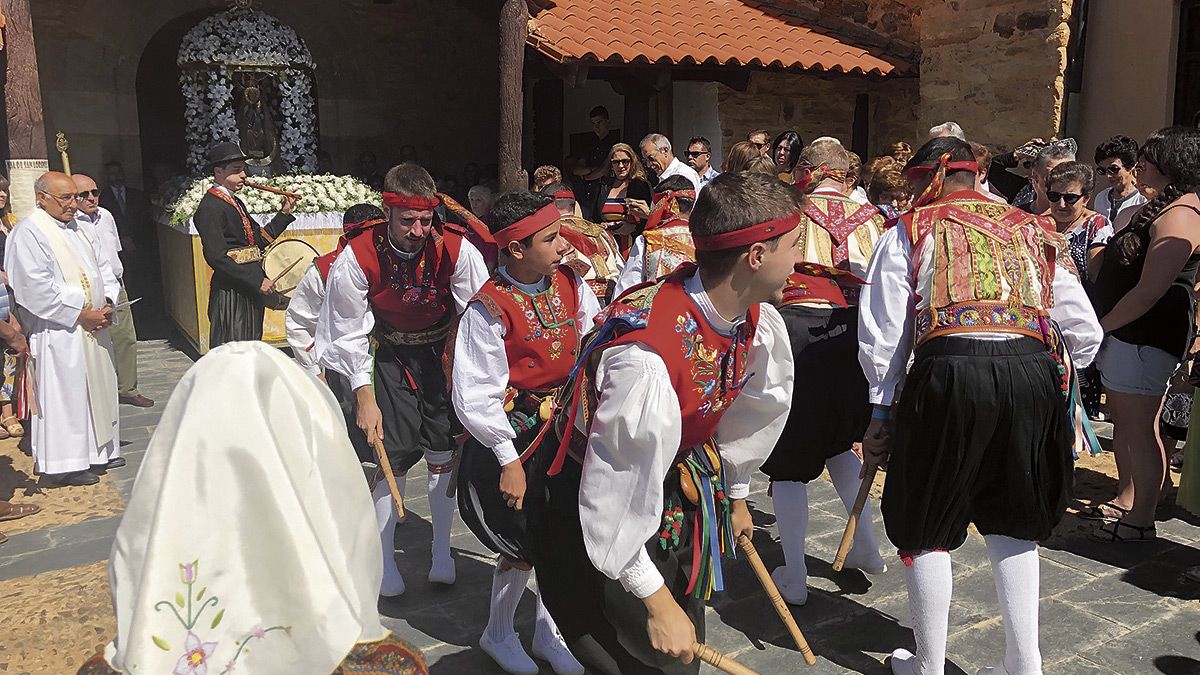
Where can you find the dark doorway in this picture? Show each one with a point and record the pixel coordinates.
(1187, 75)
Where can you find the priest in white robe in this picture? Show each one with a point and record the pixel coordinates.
(66, 288)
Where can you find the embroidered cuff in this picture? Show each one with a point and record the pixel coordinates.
(739, 490)
(641, 577)
(506, 452)
(360, 380)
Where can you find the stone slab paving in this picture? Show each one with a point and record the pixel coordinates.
(1104, 609)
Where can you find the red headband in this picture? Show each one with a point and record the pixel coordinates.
(747, 235)
(527, 226)
(667, 202)
(939, 170)
(971, 166)
(564, 194)
(413, 202)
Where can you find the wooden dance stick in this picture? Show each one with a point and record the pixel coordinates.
(864, 491)
(386, 466)
(719, 661)
(267, 188)
(781, 608)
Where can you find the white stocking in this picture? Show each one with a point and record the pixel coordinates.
(507, 588)
(441, 513)
(790, 500)
(930, 583)
(1015, 567)
(385, 520)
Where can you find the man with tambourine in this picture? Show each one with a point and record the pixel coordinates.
(233, 244)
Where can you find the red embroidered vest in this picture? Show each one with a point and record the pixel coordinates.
(408, 295)
(707, 369)
(325, 263)
(541, 339)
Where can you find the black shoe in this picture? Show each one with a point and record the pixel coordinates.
(71, 479)
(115, 463)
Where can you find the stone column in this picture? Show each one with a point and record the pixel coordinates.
(22, 107)
(997, 70)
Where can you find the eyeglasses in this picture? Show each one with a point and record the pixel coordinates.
(695, 153)
(622, 162)
(63, 200)
(760, 146)
(1111, 170)
(1066, 197)
(87, 193)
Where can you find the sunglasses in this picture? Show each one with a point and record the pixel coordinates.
(760, 146)
(622, 162)
(1066, 197)
(87, 193)
(1110, 170)
(695, 153)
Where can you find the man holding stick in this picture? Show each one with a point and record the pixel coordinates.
(982, 432)
(233, 245)
(402, 282)
(677, 398)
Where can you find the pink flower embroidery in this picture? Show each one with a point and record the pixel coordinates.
(187, 572)
(195, 656)
(260, 632)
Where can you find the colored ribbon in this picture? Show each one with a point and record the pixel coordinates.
(667, 202)
(942, 167)
(807, 177)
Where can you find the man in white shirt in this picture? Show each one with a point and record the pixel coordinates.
(65, 287)
(1115, 159)
(124, 334)
(658, 157)
(699, 158)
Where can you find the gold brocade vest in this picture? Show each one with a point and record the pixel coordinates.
(980, 266)
(839, 232)
(667, 246)
(596, 256)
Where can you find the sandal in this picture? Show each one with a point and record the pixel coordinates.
(14, 428)
(16, 511)
(1096, 512)
(1111, 533)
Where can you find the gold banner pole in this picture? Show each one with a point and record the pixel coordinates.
(60, 141)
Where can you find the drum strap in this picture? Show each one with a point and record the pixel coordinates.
(223, 196)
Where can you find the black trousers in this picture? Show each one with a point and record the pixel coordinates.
(410, 388)
(830, 406)
(485, 511)
(982, 435)
(603, 624)
(233, 316)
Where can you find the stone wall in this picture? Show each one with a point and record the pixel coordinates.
(994, 66)
(418, 72)
(821, 105)
(896, 19)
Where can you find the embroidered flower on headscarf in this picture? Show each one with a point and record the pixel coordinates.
(195, 656)
(187, 571)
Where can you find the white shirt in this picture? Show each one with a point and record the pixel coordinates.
(345, 322)
(480, 373)
(632, 274)
(635, 433)
(885, 318)
(709, 174)
(859, 195)
(678, 168)
(110, 241)
(300, 320)
(1104, 204)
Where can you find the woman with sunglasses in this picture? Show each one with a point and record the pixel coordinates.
(623, 200)
(1144, 291)
(1115, 159)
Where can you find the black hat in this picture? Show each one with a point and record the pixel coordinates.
(224, 153)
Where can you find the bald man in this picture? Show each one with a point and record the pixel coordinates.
(66, 288)
(124, 335)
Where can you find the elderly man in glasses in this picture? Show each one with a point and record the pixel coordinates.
(124, 336)
(658, 156)
(64, 283)
(699, 157)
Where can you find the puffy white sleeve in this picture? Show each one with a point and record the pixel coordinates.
(1076, 318)
(885, 305)
(634, 438)
(479, 378)
(345, 322)
(300, 320)
(589, 307)
(470, 273)
(633, 272)
(30, 267)
(750, 428)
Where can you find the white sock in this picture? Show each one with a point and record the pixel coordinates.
(385, 520)
(1015, 567)
(507, 588)
(441, 515)
(790, 501)
(930, 584)
(843, 471)
(545, 630)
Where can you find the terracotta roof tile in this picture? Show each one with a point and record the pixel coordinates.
(711, 32)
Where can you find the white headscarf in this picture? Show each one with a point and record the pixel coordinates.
(249, 545)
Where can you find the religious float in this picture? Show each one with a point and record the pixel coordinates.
(248, 78)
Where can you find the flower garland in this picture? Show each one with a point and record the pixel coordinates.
(210, 54)
(322, 193)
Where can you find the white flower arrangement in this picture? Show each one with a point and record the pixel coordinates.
(322, 193)
(209, 55)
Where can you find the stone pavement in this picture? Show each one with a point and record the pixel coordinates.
(1105, 608)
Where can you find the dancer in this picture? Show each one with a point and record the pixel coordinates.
(515, 344)
(836, 234)
(402, 282)
(675, 400)
(594, 253)
(981, 433)
(666, 241)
